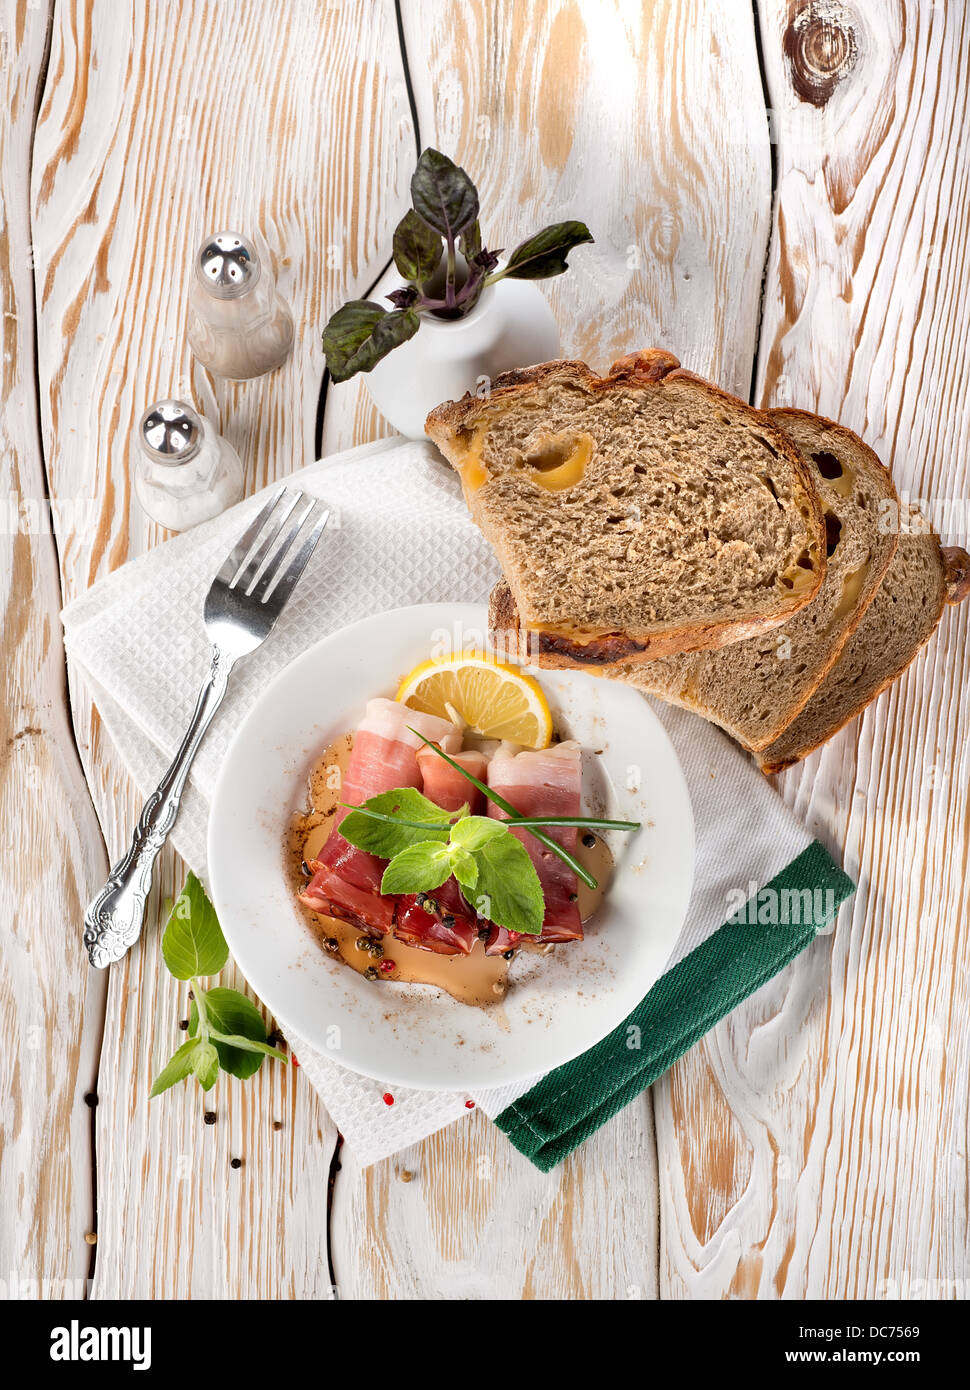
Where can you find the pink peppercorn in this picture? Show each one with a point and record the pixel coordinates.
(387, 1098)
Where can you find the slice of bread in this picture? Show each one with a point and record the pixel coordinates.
(637, 514)
(921, 580)
(754, 689)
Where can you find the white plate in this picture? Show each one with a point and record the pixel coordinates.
(415, 1035)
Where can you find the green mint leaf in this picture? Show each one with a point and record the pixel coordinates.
(507, 879)
(417, 248)
(474, 831)
(176, 1069)
(418, 869)
(230, 1013)
(205, 1064)
(193, 943)
(385, 840)
(464, 866)
(443, 195)
(544, 255)
(360, 333)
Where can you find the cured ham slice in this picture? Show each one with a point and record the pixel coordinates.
(452, 928)
(545, 782)
(346, 880)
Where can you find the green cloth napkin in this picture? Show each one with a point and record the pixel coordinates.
(570, 1103)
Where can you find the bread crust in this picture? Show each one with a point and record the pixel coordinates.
(953, 588)
(649, 368)
(612, 652)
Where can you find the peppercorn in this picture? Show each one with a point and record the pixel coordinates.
(371, 973)
(448, 921)
(277, 1124)
(376, 949)
(363, 943)
(421, 899)
(507, 955)
(183, 1024)
(388, 965)
(589, 840)
(332, 944)
(235, 1163)
(209, 1117)
(574, 897)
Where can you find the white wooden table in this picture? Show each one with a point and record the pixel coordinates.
(779, 194)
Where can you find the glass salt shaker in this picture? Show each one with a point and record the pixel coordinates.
(184, 472)
(239, 327)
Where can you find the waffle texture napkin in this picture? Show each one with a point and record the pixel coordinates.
(401, 535)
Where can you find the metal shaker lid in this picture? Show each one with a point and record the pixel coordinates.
(227, 264)
(170, 432)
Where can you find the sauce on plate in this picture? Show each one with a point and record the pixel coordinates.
(473, 979)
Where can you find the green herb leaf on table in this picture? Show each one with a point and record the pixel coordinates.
(230, 1013)
(407, 809)
(360, 333)
(544, 255)
(193, 943)
(443, 194)
(205, 1065)
(226, 1030)
(418, 869)
(417, 248)
(176, 1069)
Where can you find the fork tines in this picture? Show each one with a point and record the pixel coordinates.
(265, 564)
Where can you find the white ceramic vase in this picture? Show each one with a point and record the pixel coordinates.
(512, 325)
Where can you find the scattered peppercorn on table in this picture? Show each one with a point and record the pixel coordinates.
(806, 1146)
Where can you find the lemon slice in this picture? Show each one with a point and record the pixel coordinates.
(496, 700)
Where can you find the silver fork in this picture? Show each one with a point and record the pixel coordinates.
(242, 605)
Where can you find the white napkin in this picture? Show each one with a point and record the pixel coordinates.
(400, 534)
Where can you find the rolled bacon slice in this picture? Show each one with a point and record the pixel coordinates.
(453, 928)
(346, 881)
(544, 782)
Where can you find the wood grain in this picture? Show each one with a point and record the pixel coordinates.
(291, 127)
(816, 1143)
(622, 115)
(837, 1166)
(52, 854)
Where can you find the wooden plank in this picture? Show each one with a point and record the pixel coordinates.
(648, 122)
(53, 855)
(832, 1162)
(464, 1216)
(158, 124)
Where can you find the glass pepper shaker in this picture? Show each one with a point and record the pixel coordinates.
(184, 471)
(239, 327)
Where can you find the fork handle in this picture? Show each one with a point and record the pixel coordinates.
(112, 922)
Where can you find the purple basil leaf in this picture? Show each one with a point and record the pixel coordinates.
(544, 255)
(443, 195)
(361, 333)
(404, 298)
(471, 241)
(417, 248)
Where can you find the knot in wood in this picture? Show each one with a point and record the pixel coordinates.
(821, 49)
